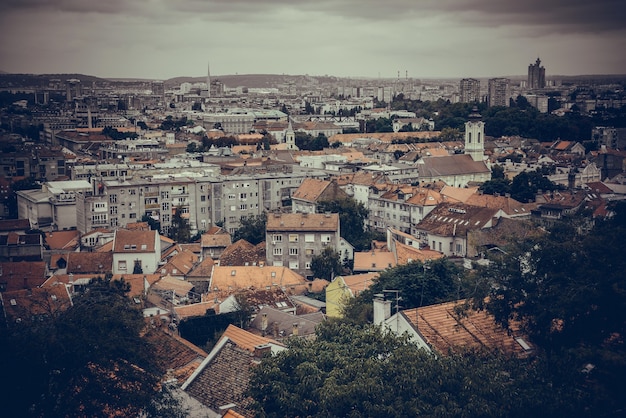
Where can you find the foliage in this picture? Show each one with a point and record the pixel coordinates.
(251, 229)
(327, 264)
(418, 284)
(171, 124)
(379, 125)
(88, 360)
(355, 371)
(352, 216)
(568, 290)
(526, 184)
(117, 135)
(306, 142)
(152, 223)
(180, 231)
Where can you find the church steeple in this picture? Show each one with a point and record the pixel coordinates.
(475, 136)
(290, 136)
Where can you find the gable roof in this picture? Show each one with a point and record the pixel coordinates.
(62, 240)
(143, 241)
(246, 340)
(25, 304)
(176, 357)
(22, 275)
(181, 263)
(456, 219)
(202, 269)
(374, 260)
(311, 189)
(444, 329)
(451, 165)
(215, 240)
(303, 222)
(253, 277)
(83, 262)
(282, 324)
(358, 282)
(243, 253)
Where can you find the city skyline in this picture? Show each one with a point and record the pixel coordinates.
(347, 38)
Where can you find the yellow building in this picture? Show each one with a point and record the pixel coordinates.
(342, 289)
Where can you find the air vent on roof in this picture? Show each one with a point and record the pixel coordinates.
(457, 210)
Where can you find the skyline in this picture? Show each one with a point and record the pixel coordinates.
(347, 38)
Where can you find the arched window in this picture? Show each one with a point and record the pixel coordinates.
(469, 137)
(478, 140)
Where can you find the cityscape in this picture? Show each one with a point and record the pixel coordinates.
(340, 213)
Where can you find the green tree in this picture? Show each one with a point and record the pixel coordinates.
(326, 265)
(567, 289)
(153, 223)
(88, 360)
(352, 216)
(180, 231)
(499, 186)
(251, 229)
(418, 284)
(361, 371)
(525, 185)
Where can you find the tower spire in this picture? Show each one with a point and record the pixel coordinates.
(208, 79)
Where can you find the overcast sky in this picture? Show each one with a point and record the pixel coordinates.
(427, 38)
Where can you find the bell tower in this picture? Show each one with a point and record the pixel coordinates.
(475, 136)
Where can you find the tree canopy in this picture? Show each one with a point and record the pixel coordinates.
(356, 371)
(251, 229)
(89, 360)
(352, 216)
(327, 264)
(568, 290)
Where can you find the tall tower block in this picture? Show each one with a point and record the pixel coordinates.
(475, 136)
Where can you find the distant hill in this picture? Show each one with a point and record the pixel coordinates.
(251, 80)
(21, 80)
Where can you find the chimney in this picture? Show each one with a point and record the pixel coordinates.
(264, 322)
(275, 329)
(382, 310)
(294, 329)
(262, 350)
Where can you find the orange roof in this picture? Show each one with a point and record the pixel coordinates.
(194, 309)
(257, 277)
(359, 282)
(444, 329)
(58, 240)
(375, 260)
(310, 189)
(303, 222)
(136, 241)
(246, 340)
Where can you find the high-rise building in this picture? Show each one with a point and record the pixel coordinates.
(536, 75)
(498, 92)
(469, 90)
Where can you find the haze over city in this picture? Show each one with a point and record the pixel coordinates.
(426, 39)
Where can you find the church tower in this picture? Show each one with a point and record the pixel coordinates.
(290, 137)
(475, 136)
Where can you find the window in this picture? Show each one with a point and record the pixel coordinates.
(309, 251)
(112, 198)
(293, 237)
(309, 238)
(132, 191)
(202, 210)
(231, 197)
(293, 265)
(243, 196)
(165, 206)
(293, 251)
(202, 198)
(233, 208)
(307, 265)
(459, 248)
(326, 238)
(133, 216)
(165, 195)
(121, 265)
(278, 251)
(469, 137)
(277, 238)
(243, 207)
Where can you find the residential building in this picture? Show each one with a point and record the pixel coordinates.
(136, 251)
(312, 191)
(292, 239)
(536, 75)
(469, 90)
(343, 288)
(442, 329)
(447, 228)
(498, 92)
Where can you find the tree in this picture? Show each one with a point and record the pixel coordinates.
(327, 264)
(567, 289)
(419, 284)
(180, 231)
(352, 216)
(152, 223)
(89, 360)
(252, 229)
(525, 185)
(353, 371)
